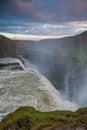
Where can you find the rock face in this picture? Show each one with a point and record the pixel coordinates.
(27, 118)
(11, 64)
(7, 47)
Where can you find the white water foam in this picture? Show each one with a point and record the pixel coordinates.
(29, 88)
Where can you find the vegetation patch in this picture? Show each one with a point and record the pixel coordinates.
(27, 118)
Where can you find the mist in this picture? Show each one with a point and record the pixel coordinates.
(63, 62)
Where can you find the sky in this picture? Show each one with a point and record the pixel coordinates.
(39, 19)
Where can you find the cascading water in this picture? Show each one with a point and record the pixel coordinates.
(76, 86)
(29, 87)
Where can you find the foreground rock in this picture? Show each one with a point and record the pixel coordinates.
(27, 118)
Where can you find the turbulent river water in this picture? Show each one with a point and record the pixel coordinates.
(28, 88)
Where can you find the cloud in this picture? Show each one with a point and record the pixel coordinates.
(43, 17)
(20, 4)
(47, 11)
(69, 28)
(78, 26)
(81, 4)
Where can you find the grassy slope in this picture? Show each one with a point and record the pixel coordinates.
(42, 120)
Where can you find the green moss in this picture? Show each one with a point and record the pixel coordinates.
(40, 120)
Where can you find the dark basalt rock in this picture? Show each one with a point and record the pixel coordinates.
(12, 66)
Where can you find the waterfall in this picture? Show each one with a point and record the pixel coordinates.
(75, 86)
(29, 88)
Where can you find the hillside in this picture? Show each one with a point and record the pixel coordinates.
(7, 47)
(27, 118)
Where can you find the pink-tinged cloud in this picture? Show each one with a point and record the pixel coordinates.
(78, 24)
(20, 4)
(81, 5)
(43, 16)
(40, 15)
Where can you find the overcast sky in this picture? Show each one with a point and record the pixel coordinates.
(56, 18)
